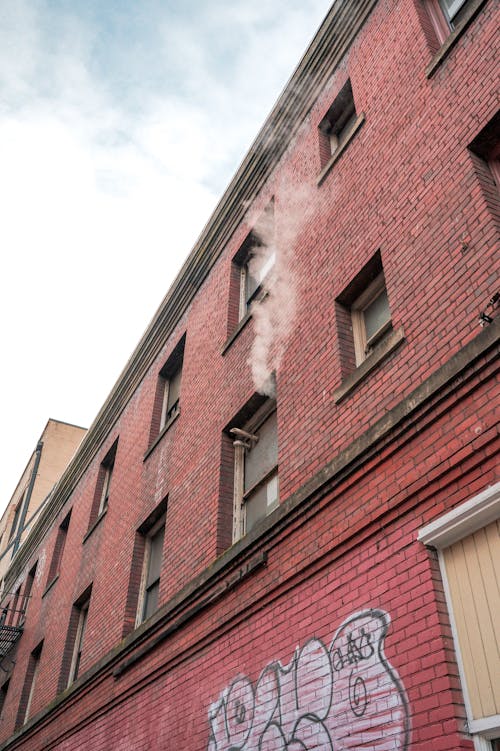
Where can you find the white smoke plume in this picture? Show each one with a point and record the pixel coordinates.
(273, 312)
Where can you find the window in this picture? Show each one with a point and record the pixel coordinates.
(256, 268)
(364, 324)
(486, 146)
(468, 543)
(443, 22)
(168, 392)
(371, 318)
(3, 695)
(55, 563)
(15, 610)
(28, 691)
(256, 485)
(363, 315)
(252, 270)
(82, 611)
(451, 9)
(105, 475)
(153, 557)
(337, 127)
(171, 396)
(152, 535)
(103, 486)
(27, 592)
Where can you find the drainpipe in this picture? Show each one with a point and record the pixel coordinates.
(27, 498)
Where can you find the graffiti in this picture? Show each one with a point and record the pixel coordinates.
(343, 697)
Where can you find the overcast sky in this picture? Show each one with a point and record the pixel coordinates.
(121, 123)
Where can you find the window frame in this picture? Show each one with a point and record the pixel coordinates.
(455, 525)
(29, 686)
(160, 421)
(337, 128)
(363, 345)
(443, 35)
(76, 656)
(58, 551)
(242, 497)
(246, 274)
(170, 411)
(148, 536)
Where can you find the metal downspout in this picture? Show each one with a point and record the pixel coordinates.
(27, 498)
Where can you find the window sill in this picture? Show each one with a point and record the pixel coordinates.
(473, 9)
(380, 352)
(50, 585)
(239, 328)
(95, 524)
(338, 153)
(160, 435)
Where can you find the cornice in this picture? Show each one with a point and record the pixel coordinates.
(333, 39)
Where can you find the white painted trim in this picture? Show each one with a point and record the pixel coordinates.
(488, 726)
(481, 744)
(461, 522)
(464, 520)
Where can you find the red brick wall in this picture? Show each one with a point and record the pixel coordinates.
(407, 186)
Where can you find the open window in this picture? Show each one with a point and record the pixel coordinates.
(57, 554)
(251, 269)
(103, 486)
(168, 392)
(338, 127)
(76, 636)
(371, 317)
(147, 564)
(28, 691)
(363, 314)
(256, 483)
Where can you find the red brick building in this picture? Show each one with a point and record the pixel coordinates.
(281, 531)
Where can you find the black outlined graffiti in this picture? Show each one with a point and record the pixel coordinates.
(341, 697)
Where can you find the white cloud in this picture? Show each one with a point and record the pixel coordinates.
(107, 176)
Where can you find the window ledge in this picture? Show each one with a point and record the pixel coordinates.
(95, 524)
(472, 10)
(50, 585)
(239, 328)
(338, 153)
(382, 350)
(160, 435)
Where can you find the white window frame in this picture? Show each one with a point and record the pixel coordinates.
(239, 504)
(469, 517)
(140, 617)
(78, 645)
(104, 501)
(452, 12)
(263, 273)
(31, 694)
(363, 344)
(165, 418)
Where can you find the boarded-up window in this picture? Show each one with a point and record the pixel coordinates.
(473, 573)
(468, 542)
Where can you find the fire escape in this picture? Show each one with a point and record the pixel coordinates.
(11, 627)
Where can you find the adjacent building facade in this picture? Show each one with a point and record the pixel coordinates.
(281, 531)
(53, 452)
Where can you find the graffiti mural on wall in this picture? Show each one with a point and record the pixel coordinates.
(347, 696)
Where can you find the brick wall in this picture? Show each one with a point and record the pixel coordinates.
(344, 627)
